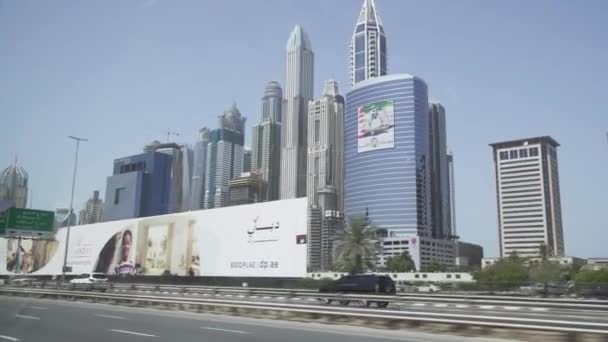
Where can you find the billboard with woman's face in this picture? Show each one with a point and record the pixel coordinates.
(263, 239)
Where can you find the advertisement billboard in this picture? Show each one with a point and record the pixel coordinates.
(376, 126)
(262, 240)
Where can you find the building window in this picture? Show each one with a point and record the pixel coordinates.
(449, 276)
(417, 276)
(424, 276)
(317, 131)
(523, 153)
(513, 154)
(534, 152)
(457, 276)
(117, 193)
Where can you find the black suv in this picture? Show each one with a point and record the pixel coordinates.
(360, 284)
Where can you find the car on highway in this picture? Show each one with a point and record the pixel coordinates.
(428, 288)
(359, 284)
(90, 281)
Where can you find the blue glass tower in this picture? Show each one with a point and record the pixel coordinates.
(386, 147)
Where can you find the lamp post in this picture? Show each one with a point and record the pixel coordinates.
(67, 238)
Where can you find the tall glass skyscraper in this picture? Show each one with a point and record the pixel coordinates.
(224, 157)
(199, 169)
(298, 92)
(386, 147)
(438, 164)
(266, 141)
(368, 57)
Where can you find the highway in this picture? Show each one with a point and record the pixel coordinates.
(29, 319)
(509, 309)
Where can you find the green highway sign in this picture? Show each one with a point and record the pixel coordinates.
(18, 222)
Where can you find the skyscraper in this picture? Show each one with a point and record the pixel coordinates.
(181, 173)
(247, 159)
(325, 144)
(368, 58)
(386, 166)
(224, 157)
(266, 142)
(199, 169)
(14, 186)
(452, 195)
(528, 195)
(438, 164)
(324, 184)
(298, 92)
(272, 102)
(92, 211)
(386, 154)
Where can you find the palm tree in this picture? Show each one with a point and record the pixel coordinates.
(356, 247)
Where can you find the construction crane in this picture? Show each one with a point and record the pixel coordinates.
(169, 134)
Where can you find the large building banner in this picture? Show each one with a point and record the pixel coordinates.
(262, 240)
(376, 126)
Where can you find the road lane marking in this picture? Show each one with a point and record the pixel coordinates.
(487, 306)
(440, 305)
(132, 333)
(512, 308)
(419, 304)
(9, 338)
(109, 316)
(38, 308)
(226, 330)
(27, 317)
(461, 306)
(540, 309)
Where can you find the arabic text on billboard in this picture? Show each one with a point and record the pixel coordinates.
(376, 126)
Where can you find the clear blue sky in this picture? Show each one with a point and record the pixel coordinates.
(123, 72)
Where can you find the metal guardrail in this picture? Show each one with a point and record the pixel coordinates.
(372, 316)
(554, 303)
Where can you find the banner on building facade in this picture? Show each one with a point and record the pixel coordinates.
(376, 126)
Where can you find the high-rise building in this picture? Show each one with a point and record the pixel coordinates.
(325, 224)
(325, 144)
(386, 154)
(224, 157)
(368, 58)
(247, 159)
(181, 173)
(199, 169)
(528, 195)
(298, 92)
(438, 165)
(63, 216)
(140, 186)
(14, 186)
(247, 189)
(272, 102)
(266, 142)
(452, 195)
(386, 166)
(92, 211)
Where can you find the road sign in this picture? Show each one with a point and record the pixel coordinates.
(27, 222)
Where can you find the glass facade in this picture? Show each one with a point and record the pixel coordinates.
(390, 185)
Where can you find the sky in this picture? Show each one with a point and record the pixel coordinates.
(122, 73)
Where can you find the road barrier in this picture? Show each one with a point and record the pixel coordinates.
(483, 325)
(551, 303)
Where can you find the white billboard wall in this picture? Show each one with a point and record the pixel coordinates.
(262, 240)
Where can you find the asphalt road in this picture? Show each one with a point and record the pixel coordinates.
(28, 319)
(415, 305)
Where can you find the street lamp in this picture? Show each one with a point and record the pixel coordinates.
(67, 238)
